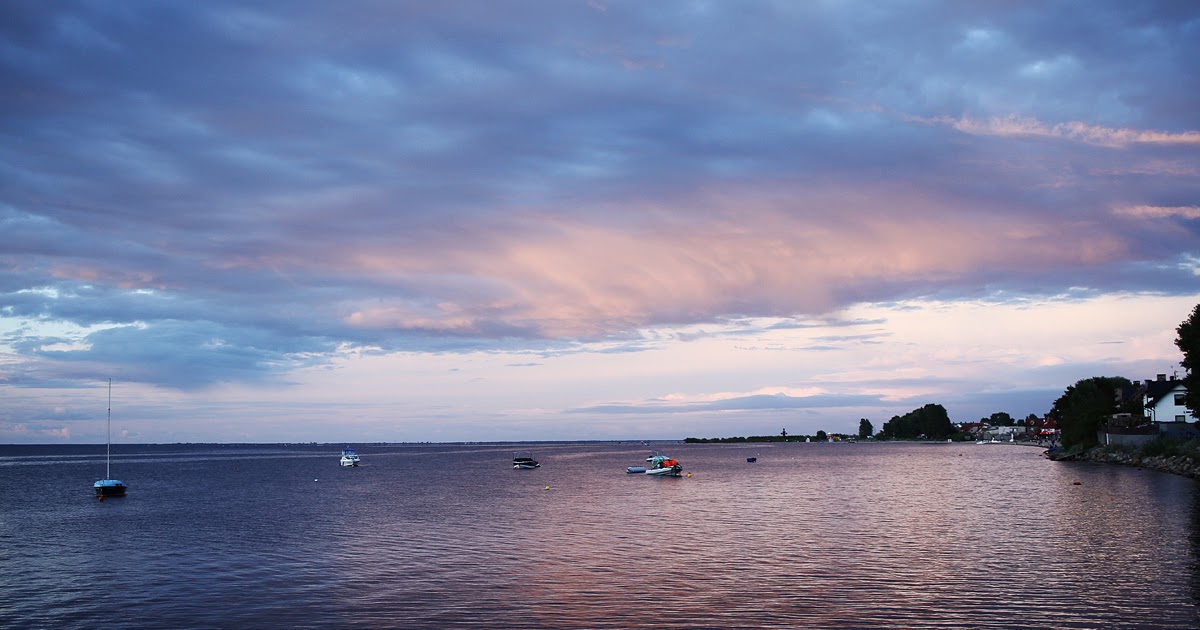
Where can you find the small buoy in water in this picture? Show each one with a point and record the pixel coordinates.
(547, 487)
(1077, 484)
(689, 475)
(316, 479)
(101, 497)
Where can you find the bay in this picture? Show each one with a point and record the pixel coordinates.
(444, 536)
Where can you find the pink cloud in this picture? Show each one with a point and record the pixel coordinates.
(1014, 125)
(797, 251)
(1158, 212)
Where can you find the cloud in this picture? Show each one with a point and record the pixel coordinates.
(1158, 212)
(1077, 131)
(753, 402)
(557, 277)
(213, 195)
(23, 433)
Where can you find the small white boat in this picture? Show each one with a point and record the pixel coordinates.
(349, 457)
(523, 460)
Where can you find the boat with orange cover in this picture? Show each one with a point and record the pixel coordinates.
(663, 466)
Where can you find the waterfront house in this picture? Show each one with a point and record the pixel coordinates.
(1163, 400)
(1165, 414)
(1044, 427)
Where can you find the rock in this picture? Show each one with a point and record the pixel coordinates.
(1175, 464)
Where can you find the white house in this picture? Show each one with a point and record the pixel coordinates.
(1164, 400)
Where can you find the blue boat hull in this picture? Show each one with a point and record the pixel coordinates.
(110, 488)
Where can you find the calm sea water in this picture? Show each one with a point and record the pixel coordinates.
(445, 536)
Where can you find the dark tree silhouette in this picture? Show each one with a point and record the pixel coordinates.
(1087, 405)
(1188, 342)
(930, 421)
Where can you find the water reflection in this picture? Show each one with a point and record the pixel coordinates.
(868, 535)
(1194, 549)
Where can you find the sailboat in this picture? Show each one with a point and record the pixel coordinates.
(109, 487)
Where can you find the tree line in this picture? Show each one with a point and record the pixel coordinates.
(1087, 405)
(1080, 412)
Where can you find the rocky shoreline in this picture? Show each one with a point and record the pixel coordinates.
(1184, 465)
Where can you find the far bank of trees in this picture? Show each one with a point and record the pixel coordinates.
(1082, 410)
(931, 422)
(1087, 405)
(820, 436)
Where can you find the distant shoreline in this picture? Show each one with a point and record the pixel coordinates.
(342, 444)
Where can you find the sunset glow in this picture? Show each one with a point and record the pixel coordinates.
(584, 220)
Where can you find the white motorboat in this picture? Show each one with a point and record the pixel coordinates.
(349, 457)
(663, 466)
(523, 460)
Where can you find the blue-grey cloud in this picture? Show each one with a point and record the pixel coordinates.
(291, 178)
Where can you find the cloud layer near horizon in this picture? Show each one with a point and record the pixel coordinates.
(205, 193)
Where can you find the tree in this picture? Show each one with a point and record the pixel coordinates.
(1188, 342)
(865, 430)
(930, 421)
(1000, 419)
(1085, 406)
(822, 436)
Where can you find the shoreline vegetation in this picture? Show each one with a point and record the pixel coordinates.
(1170, 456)
(1164, 455)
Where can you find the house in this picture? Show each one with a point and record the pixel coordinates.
(1165, 414)
(974, 428)
(1163, 400)
(1043, 427)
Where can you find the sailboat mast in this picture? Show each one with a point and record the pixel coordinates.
(108, 436)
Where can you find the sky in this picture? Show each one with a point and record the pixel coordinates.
(584, 219)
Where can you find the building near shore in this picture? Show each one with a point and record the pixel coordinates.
(1163, 400)
(1164, 414)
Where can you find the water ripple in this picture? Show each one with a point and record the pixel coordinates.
(813, 535)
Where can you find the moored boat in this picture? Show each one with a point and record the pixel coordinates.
(349, 457)
(663, 466)
(109, 487)
(524, 460)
